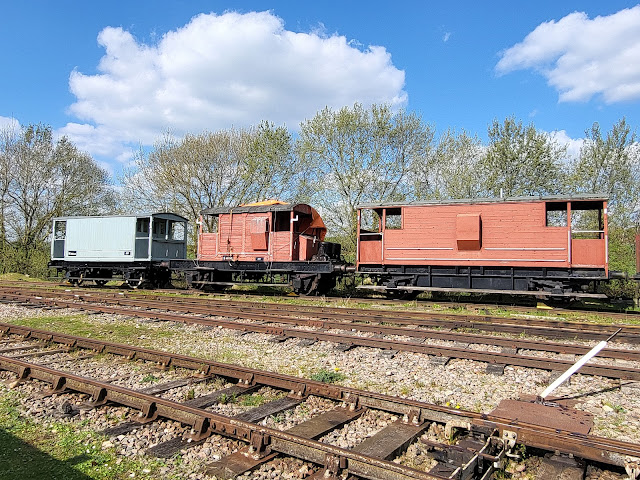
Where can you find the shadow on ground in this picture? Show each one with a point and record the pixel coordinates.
(21, 461)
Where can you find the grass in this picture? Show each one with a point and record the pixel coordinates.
(328, 376)
(73, 452)
(82, 325)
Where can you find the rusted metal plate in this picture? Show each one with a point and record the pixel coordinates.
(271, 408)
(390, 440)
(236, 464)
(322, 424)
(558, 418)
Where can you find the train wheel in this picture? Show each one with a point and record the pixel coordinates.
(135, 280)
(101, 283)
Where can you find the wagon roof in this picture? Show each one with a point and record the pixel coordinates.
(456, 201)
(276, 207)
(165, 215)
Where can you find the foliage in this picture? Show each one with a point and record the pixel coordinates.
(357, 155)
(223, 168)
(328, 376)
(40, 179)
(452, 170)
(521, 161)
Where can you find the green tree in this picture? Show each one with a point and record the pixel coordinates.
(610, 165)
(522, 161)
(356, 155)
(222, 168)
(452, 170)
(42, 179)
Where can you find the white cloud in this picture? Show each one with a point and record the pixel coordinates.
(220, 71)
(582, 57)
(446, 37)
(573, 144)
(9, 123)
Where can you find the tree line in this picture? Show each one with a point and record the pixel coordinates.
(337, 160)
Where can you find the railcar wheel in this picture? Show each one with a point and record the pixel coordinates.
(101, 283)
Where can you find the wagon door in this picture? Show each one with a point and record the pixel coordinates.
(60, 234)
(588, 235)
(369, 236)
(142, 238)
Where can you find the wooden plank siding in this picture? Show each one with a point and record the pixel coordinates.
(234, 239)
(511, 234)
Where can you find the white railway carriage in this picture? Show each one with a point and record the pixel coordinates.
(136, 247)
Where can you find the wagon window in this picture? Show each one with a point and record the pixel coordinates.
(176, 231)
(369, 220)
(586, 221)
(60, 230)
(282, 222)
(393, 219)
(210, 224)
(159, 227)
(556, 214)
(142, 225)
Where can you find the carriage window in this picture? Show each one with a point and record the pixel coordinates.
(60, 230)
(176, 231)
(587, 221)
(282, 222)
(142, 225)
(210, 224)
(393, 219)
(159, 227)
(556, 214)
(370, 220)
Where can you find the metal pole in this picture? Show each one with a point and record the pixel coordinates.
(584, 359)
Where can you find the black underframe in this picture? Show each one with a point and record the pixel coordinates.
(489, 278)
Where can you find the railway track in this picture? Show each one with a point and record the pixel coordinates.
(622, 314)
(484, 440)
(372, 329)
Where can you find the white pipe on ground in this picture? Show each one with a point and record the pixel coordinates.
(584, 359)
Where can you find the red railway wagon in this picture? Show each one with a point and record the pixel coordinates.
(550, 245)
(267, 242)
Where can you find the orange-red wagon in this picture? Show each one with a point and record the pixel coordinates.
(555, 245)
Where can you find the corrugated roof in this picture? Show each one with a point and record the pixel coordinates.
(457, 201)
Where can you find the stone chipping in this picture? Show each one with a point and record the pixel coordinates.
(458, 383)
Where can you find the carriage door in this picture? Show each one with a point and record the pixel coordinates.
(59, 236)
(142, 238)
(369, 236)
(588, 235)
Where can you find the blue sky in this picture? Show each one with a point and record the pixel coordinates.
(115, 75)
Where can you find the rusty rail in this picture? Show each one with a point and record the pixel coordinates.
(589, 447)
(503, 358)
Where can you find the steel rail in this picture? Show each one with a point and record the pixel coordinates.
(513, 325)
(610, 451)
(609, 371)
(624, 315)
(382, 329)
(205, 423)
(284, 316)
